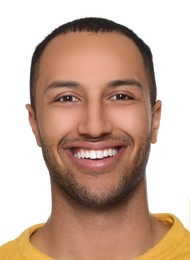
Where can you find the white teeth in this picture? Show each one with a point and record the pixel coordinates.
(115, 152)
(86, 154)
(92, 154)
(110, 152)
(95, 154)
(100, 154)
(105, 153)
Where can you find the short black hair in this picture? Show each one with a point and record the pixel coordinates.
(95, 25)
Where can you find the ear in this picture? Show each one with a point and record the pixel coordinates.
(33, 123)
(156, 115)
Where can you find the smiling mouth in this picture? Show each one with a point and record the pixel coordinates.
(91, 157)
(95, 154)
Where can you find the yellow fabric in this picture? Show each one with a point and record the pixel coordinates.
(21, 248)
(175, 244)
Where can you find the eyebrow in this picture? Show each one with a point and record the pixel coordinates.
(125, 82)
(111, 84)
(63, 84)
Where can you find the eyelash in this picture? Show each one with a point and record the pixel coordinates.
(121, 96)
(67, 98)
(115, 97)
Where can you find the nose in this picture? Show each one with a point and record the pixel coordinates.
(95, 121)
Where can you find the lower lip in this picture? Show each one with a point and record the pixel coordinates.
(97, 165)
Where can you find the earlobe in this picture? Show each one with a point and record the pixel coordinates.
(156, 115)
(33, 123)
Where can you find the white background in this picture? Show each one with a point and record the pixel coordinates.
(24, 182)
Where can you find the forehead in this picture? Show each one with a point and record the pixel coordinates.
(79, 55)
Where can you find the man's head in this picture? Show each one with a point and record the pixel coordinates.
(94, 113)
(94, 25)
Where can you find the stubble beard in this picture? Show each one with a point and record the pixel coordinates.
(132, 175)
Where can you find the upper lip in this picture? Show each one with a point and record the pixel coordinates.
(95, 145)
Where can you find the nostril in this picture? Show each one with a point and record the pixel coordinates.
(95, 122)
(94, 129)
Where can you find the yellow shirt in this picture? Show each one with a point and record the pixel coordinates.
(175, 245)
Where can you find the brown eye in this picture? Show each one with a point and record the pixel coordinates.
(67, 98)
(121, 96)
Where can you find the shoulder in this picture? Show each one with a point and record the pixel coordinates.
(21, 247)
(174, 245)
(10, 250)
(176, 242)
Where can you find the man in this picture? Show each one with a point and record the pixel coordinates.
(94, 114)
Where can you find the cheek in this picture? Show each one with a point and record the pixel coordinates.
(57, 124)
(133, 120)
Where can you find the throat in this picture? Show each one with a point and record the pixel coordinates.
(98, 239)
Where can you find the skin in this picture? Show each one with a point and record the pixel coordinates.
(101, 113)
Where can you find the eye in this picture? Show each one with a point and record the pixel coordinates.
(121, 96)
(67, 98)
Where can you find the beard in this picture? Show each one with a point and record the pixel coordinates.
(132, 174)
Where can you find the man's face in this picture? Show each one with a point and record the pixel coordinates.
(93, 116)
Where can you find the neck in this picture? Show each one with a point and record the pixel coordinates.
(75, 232)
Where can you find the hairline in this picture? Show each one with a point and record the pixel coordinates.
(37, 64)
(147, 58)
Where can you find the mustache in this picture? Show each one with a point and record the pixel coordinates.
(126, 139)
